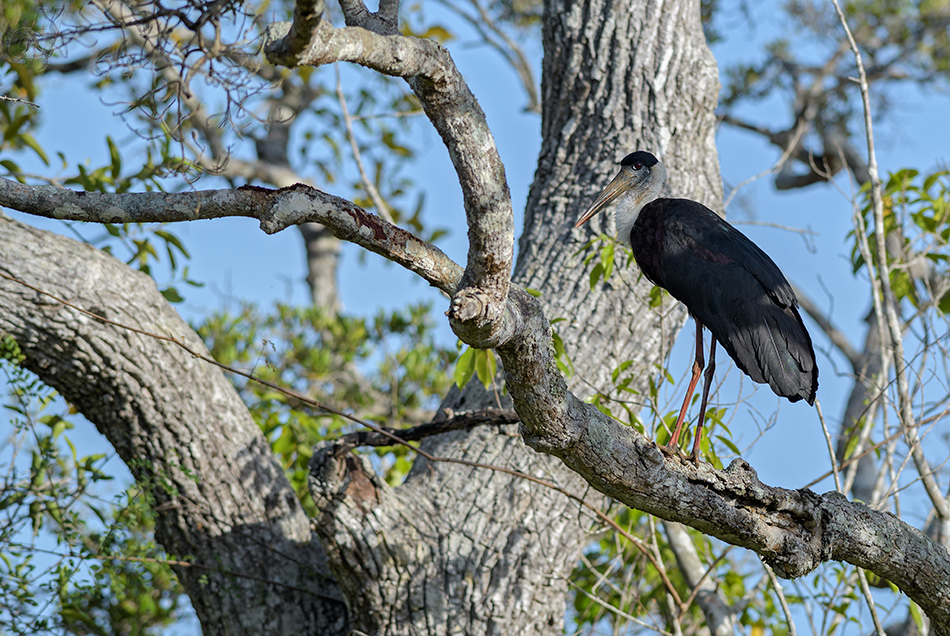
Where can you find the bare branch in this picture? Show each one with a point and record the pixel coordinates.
(905, 408)
(506, 47)
(275, 209)
(381, 207)
(838, 338)
(456, 422)
(17, 100)
(478, 308)
(719, 617)
(385, 21)
(777, 586)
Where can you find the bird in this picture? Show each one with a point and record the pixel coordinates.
(728, 284)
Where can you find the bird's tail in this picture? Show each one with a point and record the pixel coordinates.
(776, 349)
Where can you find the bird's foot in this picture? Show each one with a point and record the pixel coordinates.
(694, 458)
(670, 450)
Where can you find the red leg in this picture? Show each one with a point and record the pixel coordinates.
(707, 382)
(698, 365)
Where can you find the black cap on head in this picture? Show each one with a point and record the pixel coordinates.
(641, 156)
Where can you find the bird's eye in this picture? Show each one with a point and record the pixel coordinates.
(637, 165)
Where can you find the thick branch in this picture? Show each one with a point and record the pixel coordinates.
(275, 209)
(477, 310)
(221, 497)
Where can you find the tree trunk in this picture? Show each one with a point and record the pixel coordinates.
(456, 549)
(221, 498)
(462, 550)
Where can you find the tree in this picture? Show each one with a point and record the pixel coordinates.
(462, 546)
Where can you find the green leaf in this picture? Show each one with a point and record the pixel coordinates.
(595, 274)
(115, 157)
(464, 367)
(485, 366)
(728, 444)
(607, 259)
(10, 166)
(944, 304)
(171, 295)
(28, 140)
(915, 615)
(852, 444)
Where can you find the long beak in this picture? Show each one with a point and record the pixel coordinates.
(614, 189)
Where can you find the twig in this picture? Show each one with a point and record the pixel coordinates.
(18, 101)
(468, 419)
(905, 408)
(854, 459)
(781, 599)
(866, 590)
(831, 447)
(348, 122)
(792, 145)
(187, 564)
(838, 338)
(617, 611)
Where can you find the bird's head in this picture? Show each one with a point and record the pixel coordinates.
(639, 181)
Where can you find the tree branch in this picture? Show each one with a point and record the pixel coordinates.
(889, 314)
(477, 311)
(275, 209)
(457, 422)
(838, 338)
(221, 497)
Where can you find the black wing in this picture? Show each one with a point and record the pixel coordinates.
(733, 288)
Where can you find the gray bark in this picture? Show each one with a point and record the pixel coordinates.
(323, 258)
(459, 548)
(476, 587)
(468, 549)
(220, 495)
(613, 81)
(865, 374)
(321, 247)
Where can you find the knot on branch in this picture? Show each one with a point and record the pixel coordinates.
(338, 476)
(480, 319)
(473, 304)
(275, 45)
(300, 42)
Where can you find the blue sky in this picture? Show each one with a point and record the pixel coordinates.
(237, 261)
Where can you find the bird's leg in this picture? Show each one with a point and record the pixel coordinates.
(707, 382)
(698, 365)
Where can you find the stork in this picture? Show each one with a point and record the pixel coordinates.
(727, 283)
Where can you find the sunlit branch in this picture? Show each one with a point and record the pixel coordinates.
(905, 409)
(275, 209)
(478, 308)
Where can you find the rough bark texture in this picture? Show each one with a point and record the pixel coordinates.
(614, 79)
(457, 549)
(493, 553)
(221, 497)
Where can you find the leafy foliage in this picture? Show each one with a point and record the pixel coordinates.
(71, 560)
(388, 369)
(917, 223)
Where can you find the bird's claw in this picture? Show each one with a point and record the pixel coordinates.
(670, 450)
(674, 451)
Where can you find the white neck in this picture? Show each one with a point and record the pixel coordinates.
(626, 211)
(627, 207)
